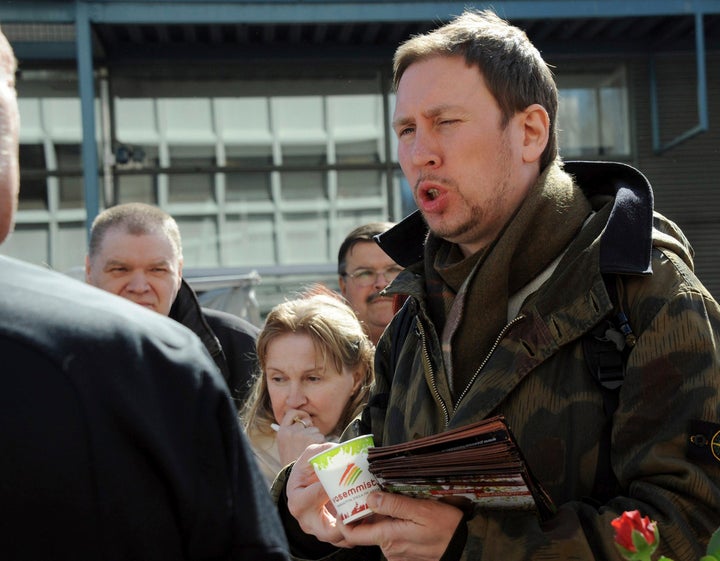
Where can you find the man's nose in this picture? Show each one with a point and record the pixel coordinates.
(138, 282)
(425, 150)
(380, 280)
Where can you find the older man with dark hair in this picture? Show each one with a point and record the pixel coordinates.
(135, 251)
(364, 270)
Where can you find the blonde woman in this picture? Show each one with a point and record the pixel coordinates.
(316, 367)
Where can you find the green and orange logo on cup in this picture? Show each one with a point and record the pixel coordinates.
(350, 476)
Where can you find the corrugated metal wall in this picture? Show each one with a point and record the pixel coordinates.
(686, 178)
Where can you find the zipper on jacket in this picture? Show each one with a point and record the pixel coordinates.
(428, 366)
(502, 333)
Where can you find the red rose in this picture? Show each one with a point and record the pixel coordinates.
(629, 521)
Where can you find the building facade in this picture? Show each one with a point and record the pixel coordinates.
(264, 127)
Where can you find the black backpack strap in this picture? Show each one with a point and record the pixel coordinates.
(607, 345)
(606, 348)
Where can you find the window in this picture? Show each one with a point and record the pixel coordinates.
(33, 195)
(593, 119)
(258, 171)
(70, 186)
(188, 183)
(296, 163)
(249, 182)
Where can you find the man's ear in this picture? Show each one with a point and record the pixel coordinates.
(536, 132)
(87, 268)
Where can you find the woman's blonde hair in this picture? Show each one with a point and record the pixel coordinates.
(339, 339)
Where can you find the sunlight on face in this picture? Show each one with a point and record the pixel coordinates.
(142, 268)
(459, 160)
(298, 379)
(9, 138)
(373, 311)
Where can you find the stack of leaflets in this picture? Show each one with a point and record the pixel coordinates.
(476, 465)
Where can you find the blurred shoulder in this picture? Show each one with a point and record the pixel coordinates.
(58, 312)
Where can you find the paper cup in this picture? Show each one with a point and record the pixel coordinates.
(343, 472)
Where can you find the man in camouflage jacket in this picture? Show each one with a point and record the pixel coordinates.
(537, 377)
(498, 327)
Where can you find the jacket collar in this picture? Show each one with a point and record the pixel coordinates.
(186, 310)
(626, 242)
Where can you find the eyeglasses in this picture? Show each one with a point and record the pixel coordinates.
(366, 277)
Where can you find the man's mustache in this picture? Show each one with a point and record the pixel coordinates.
(377, 296)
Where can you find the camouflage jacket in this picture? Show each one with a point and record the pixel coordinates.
(537, 377)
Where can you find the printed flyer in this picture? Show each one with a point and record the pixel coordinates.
(476, 465)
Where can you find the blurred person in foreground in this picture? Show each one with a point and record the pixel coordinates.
(316, 366)
(119, 439)
(135, 251)
(364, 270)
(511, 262)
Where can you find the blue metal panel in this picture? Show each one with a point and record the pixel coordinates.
(282, 11)
(324, 11)
(52, 50)
(702, 101)
(87, 108)
(37, 12)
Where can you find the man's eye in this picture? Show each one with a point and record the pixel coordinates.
(364, 275)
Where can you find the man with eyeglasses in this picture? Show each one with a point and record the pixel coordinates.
(364, 270)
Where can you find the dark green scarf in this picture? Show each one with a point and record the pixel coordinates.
(468, 298)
